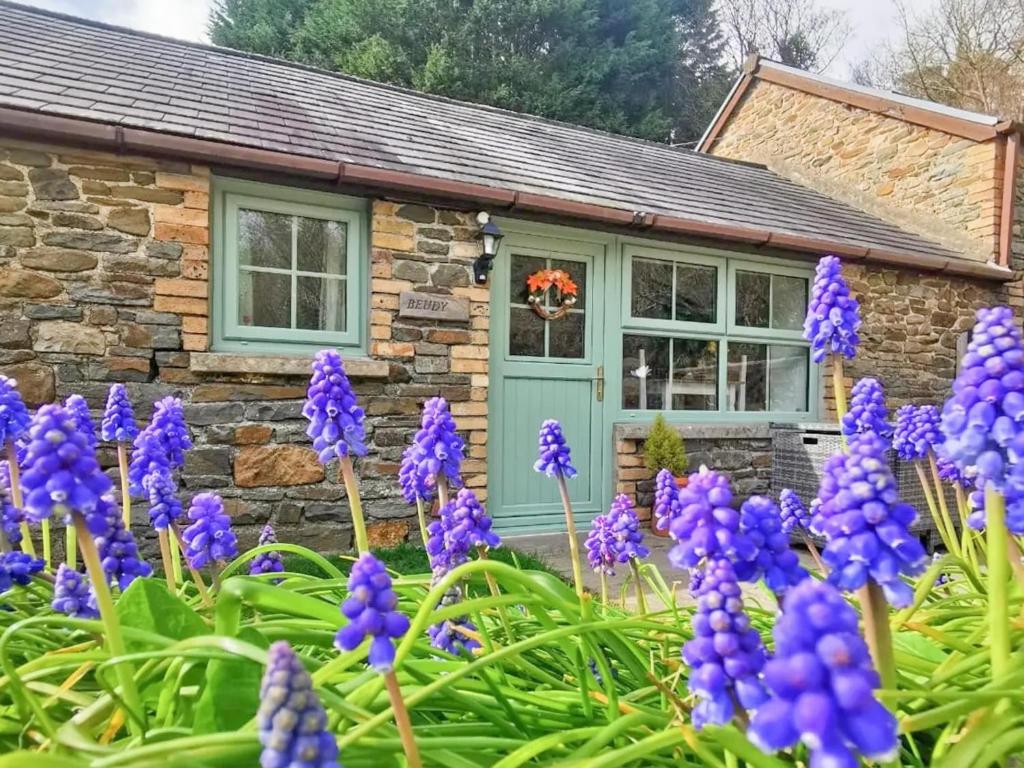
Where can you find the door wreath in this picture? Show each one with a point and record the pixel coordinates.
(542, 281)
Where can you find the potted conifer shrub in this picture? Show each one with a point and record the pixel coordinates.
(664, 449)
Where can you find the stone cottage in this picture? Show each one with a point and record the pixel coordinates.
(198, 222)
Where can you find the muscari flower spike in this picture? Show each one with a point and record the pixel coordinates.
(833, 316)
(17, 568)
(707, 526)
(79, 410)
(666, 499)
(553, 455)
(447, 547)
(600, 545)
(950, 473)
(209, 538)
(793, 512)
(371, 609)
(161, 446)
(867, 410)
(118, 551)
(164, 505)
(61, 474)
(291, 720)
(14, 416)
(72, 594)
(726, 654)
(266, 562)
(118, 424)
(865, 524)
(436, 450)
(625, 528)
(335, 420)
(917, 432)
(10, 516)
(821, 682)
(445, 635)
(775, 562)
(983, 422)
(470, 521)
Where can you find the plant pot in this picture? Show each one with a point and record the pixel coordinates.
(682, 482)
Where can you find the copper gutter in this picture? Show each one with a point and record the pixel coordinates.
(38, 127)
(1011, 158)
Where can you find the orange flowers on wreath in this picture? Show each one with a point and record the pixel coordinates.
(540, 282)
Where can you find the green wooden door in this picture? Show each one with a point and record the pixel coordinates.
(544, 369)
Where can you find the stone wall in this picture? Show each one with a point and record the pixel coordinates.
(104, 266)
(941, 186)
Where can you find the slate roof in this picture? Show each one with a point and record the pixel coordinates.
(60, 65)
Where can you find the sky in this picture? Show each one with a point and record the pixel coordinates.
(872, 21)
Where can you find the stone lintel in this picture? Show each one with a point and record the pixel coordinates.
(281, 365)
(639, 431)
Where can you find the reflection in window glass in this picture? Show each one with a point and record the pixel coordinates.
(320, 246)
(652, 289)
(264, 239)
(696, 293)
(264, 300)
(753, 299)
(565, 336)
(521, 268)
(526, 333)
(649, 382)
(767, 377)
(789, 302)
(671, 290)
(320, 304)
(694, 375)
(645, 373)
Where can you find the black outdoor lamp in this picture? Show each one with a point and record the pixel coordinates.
(490, 236)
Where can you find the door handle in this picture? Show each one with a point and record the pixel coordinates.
(600, 383)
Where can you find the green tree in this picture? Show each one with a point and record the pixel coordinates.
(647, 68)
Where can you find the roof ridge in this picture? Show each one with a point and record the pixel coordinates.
(289, 64)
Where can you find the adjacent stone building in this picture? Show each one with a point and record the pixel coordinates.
(198, 222)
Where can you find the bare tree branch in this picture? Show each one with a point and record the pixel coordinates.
(795, 32)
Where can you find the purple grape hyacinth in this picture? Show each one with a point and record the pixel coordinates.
(917, 433)
(164, 506)
(371, 609)
(625, 528)
(447, 548)
(291, 720)
(833, 316)
(209, 538)
(865, 524)
(983, 421)
(600, 546)
(707, 526)
(436, 450)
(118, 424)
(335, 419)
(10, 516)
(17, 568)
(553, 459)
(775, 562)
(161, 446)
(266, 562)
(666, 499)
(471, 522)
(867, 410)
(821, 682)
(61, 474)
(793, 512)
(726, 654)
(72, 594)
(14, 416)
(445, 635)
(76, 406)
(118, 551)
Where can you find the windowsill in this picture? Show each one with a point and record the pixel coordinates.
(749, 431)
(281, 365)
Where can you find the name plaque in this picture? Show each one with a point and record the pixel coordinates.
(432, 306)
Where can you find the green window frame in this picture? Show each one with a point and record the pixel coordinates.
(345, 283)
(714, 383)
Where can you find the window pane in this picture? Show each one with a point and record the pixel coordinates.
(652, 289)
(753, 290)
(577, 271)
(788, 378)
(264, 299)
(644, 355)
(767, 377)
(789, 302)
(694, 375)
(264, 239)
(522, 268)
(566, 336)
(321, 304)
(321, 246)
(526, 333)
(696, 293)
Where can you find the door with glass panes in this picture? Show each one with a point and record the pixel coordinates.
(545, 363)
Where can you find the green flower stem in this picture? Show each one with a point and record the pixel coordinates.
(929, 497)
(176, 560)
(570, 527)
(355, 505)
(421, 515)
(197, 577)
(998, 581)
(165, 557)
(813, 549)
(441, 482)
(126, 497)
(641, 599)
(492, 586)
(111, 624)
(27, 546)
(940, 493)
(967, 543)
(402, 722)
(839, 391)
(44, 531)
(70, 546)
(604, 587)
(877, 632)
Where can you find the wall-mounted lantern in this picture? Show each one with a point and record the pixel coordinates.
(490, 236)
